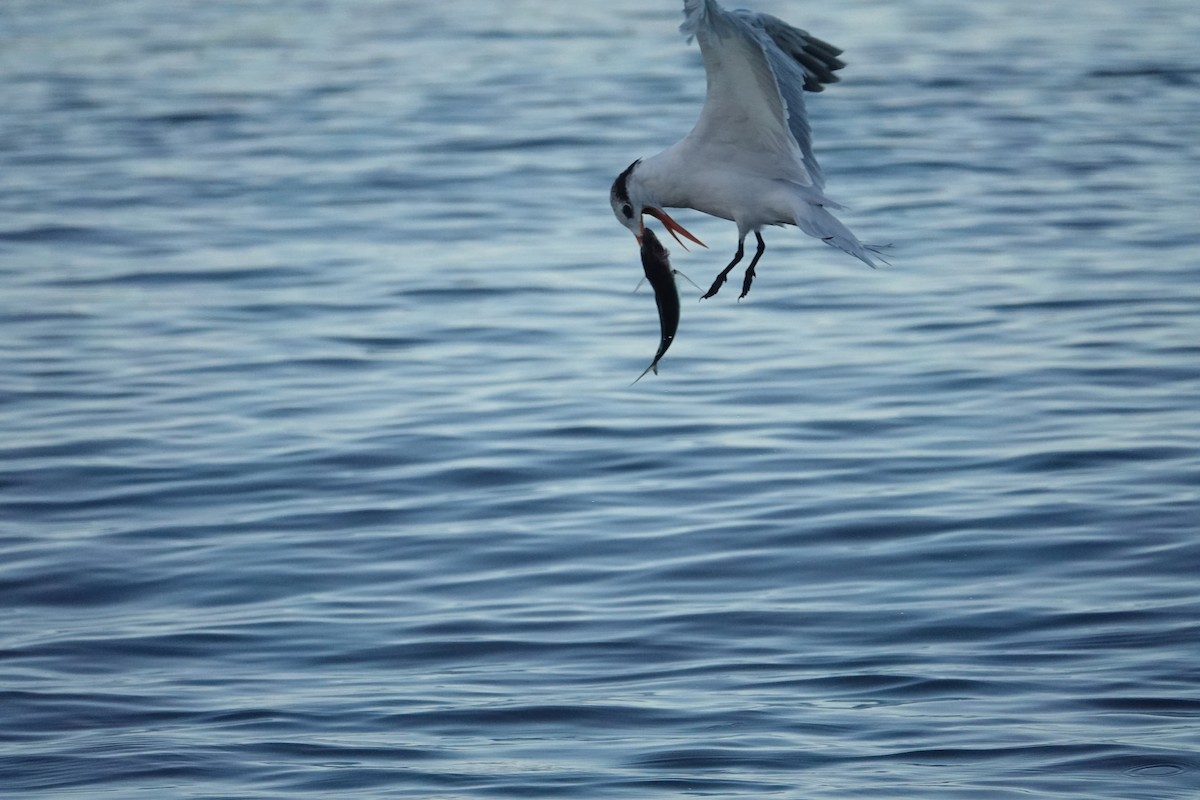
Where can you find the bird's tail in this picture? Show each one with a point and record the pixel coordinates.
(816, 221)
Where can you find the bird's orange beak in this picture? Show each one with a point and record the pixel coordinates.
(673, 227)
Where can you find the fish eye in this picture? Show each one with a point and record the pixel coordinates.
(627, 210)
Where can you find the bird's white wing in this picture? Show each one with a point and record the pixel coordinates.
(758, 68)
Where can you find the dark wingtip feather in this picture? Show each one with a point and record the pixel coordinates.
(818, 57)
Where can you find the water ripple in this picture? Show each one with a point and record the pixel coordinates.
(322, 474)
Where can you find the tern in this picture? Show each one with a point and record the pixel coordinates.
(749, 157)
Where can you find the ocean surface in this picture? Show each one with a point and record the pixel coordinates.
(321, 473)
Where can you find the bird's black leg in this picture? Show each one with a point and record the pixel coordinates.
(762, 248)
(716, 286)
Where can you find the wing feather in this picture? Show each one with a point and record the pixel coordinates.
(818, 59)
(758, 68)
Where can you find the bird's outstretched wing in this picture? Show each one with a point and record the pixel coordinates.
(758, 69)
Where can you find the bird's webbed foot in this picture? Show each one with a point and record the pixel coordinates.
(716, 285)
(720, 280)
(749, 279)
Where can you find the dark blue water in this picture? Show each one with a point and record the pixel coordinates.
(321, 475)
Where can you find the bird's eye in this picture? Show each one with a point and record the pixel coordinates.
(627, 210)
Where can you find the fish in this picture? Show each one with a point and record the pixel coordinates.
(656, 263)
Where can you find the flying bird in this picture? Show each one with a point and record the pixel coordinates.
(749, 157)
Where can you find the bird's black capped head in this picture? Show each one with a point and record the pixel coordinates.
(623, 206)
(629, 201)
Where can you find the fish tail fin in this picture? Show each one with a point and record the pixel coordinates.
(652, 368)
